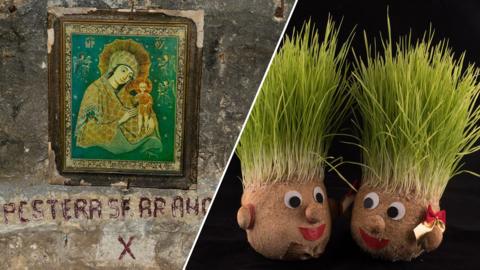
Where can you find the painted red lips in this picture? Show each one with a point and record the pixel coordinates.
(372, 242)
(312, 234)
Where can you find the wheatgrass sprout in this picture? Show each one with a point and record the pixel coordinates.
(283, 149)
(299, 108)
(418, 107)
(417, 104)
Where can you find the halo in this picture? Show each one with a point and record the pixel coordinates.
(133, 47)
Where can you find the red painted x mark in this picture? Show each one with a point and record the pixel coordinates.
(126, 247)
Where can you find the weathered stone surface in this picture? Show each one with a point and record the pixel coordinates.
(239, 38)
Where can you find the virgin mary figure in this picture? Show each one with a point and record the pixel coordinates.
(107, 115)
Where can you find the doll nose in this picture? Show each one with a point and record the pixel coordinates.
(313, 213)
(376, 224)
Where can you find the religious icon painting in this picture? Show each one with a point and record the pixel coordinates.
(123, 97)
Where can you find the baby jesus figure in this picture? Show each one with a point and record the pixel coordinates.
(145, 103)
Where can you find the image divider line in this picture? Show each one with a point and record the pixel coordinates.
(240, 134)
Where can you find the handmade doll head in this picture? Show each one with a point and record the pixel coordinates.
(384, 222)
(283, 148)
(418, 118)
(288, 220)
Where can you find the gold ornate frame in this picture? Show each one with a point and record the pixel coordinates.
(178, 174)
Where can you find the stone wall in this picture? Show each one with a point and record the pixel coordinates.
(57, 227)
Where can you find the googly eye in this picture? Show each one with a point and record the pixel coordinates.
(371, 200)
(292, 199)
(396, 211)
(318, 194)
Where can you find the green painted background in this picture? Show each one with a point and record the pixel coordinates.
(163, 97)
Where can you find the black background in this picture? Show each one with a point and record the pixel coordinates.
(223, 245)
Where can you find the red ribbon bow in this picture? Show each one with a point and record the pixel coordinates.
(431, 216)
(432, 219)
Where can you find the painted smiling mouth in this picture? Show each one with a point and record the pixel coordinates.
(372, 242)
(312, 234)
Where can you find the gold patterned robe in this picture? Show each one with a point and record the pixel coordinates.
(97, 123)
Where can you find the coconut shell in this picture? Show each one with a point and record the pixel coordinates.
(280, 232)
(384, 237)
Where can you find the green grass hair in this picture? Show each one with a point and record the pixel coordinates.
(301, 104)
(417, 102)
